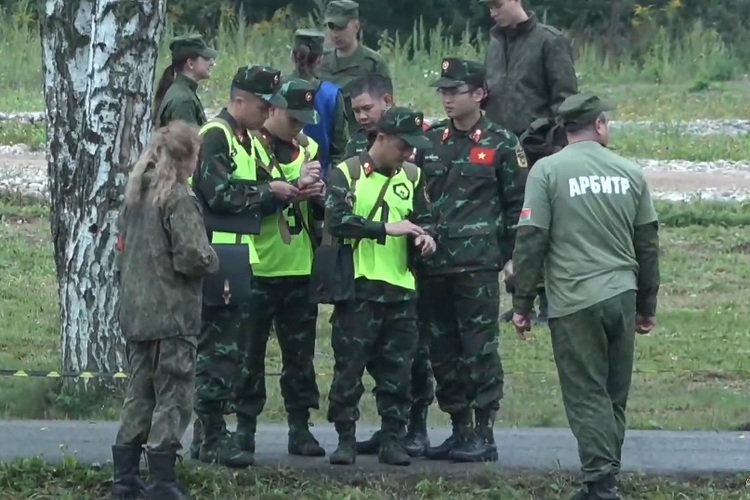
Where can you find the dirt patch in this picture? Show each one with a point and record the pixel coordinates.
(698, 181)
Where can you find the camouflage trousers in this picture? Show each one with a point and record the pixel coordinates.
(422, 379)
(221, 347)
(462, 321)
(285, 303)
(593, 351)
(382, 337)
(159, 400)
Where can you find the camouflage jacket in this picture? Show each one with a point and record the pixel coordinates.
(181, 102)
(530, 72)
(474, 188)
(164, 257)
(345, 224)
(214, 181)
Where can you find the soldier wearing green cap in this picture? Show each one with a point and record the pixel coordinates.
(280, 293)
(589, 219)
(370, 204)
(235, 200)
(176, 95)
(331, 132)
(349, 58)
(474, 177)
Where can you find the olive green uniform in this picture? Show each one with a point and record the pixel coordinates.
(589, 219)
(181, 102)
(344, 70)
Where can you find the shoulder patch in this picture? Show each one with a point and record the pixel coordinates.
(521, 157)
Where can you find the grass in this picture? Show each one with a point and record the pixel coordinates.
(70, 480)
(692, 76)
(692, 373)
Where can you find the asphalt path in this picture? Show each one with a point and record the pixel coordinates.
(688, 453)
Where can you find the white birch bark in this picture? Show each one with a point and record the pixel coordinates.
(99, 60)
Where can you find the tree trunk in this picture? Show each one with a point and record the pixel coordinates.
(99, 59)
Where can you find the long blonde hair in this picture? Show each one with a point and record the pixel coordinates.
(166, 153)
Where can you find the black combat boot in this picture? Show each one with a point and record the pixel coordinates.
(162, 484)
(224, 448)
(369, 446)
(301, 440)
(416, 441)
(346, 453)
(461, 423)
(604, 489)
(485, 422)
(391, 450)
(127, 483)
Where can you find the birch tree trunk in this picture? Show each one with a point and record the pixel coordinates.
(99, 60)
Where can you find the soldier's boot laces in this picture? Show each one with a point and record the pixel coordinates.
(162, 484)
(127, 484)
(301, 440)
(443, 450)
(391, 450)
(346, 453)
(225, 448)
(606, 489)
(369, 446)
(416, 441)
(485, 422)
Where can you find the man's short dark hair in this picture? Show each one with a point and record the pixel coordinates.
(374, 84)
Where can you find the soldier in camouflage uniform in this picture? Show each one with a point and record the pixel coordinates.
(474, 180)
(280, 292)
(371, 95)
(176, 95)
(370, 200)
(530, 71)
(227, 182)
(349, 58)
(164, 258)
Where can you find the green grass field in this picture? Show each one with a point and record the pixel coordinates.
(691, 373)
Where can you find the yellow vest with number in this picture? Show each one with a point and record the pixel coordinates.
(246, 171)
(277, 259)
(386, 259)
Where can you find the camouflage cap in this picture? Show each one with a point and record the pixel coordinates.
(190, 46)
(300, 98)
(456, 72)
(583, 108)
(310, 37)
(340, 12)
(406, 124)
(263, 81)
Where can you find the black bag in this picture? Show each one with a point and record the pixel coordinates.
(332, 277)
(230, 286)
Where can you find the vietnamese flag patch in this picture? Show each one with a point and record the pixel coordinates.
(482, 156)
(525, 214)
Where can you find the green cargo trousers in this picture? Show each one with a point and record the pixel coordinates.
(593, 351)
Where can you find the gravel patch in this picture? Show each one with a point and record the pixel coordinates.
(24, 173)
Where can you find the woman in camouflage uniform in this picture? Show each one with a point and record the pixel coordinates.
(165, 254)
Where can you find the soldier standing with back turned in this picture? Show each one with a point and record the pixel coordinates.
(349, 58)
(474, 180)
(589, 219)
